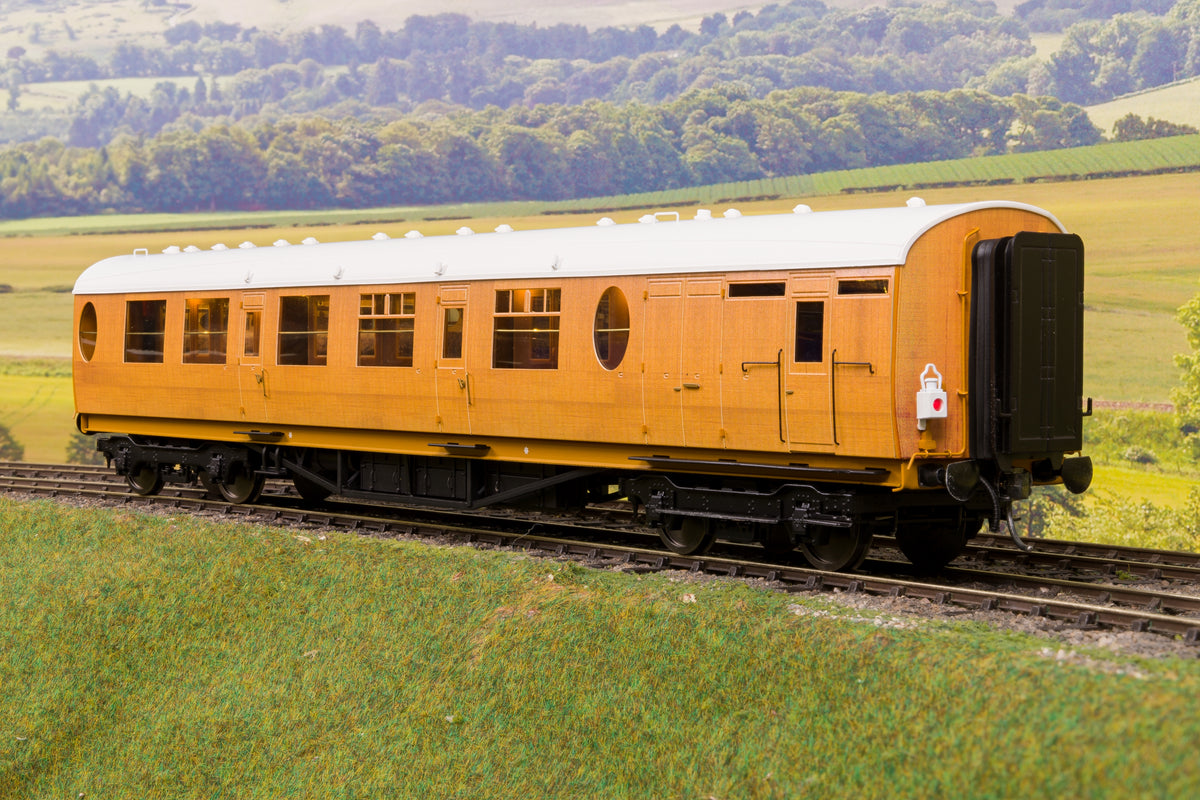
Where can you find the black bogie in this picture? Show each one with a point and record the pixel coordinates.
(150, 463)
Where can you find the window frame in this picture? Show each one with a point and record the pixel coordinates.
(377, 312)
(314, 336)
(526, 323)
(196, 332)
(138, 347)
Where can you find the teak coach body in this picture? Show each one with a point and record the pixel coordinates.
(802, 380)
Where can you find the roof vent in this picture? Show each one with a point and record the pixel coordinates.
(464, 231)
(732, 213)
(280, 243)
(380, 237)
(219, 246)
(246, 245)
(172, 250)
(648, 219)
(310, 240)
(604, 222)
(191, 248)
(802, 209)
(703, 213)
(504, 229)
(413, 235)
(915, 202)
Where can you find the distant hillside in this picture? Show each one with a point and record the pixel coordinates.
(1179, 102)
(95, 26)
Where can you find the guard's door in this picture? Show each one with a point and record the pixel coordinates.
(254, 384)
(453, 381)
(808, 395)
(754, 332)
(861, 361)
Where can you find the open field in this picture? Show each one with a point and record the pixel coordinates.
(1178, 103)
(61, 95)
(95, 26)
(1139, 232)
(196, 661)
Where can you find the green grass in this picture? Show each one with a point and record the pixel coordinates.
(155, 657)
(39, 412)
(1161, 488)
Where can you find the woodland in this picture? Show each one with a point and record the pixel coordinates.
(446, 109)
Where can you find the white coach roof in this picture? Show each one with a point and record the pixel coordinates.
(804, 240)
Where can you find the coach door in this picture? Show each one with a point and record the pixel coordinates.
(861, 359)
(808, 383)
(253, 381)
(754, 368)
(453, 381)
(681, 379)
(662, 382)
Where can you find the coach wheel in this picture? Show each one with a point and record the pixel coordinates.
(210, 489)
(244, 488)
(931, 546)
(145, 480)
(836, 549)
(687, 536)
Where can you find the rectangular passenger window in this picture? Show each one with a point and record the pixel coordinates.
(771, 289)
(304, 329)
(385, 329)
(205, 330)
(863, 286)
(526, 329)
(810, 332)
(145, 331)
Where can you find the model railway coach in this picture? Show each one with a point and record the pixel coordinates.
(801, 380)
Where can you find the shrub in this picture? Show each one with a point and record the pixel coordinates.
(10, 449)
(1140, 455)
(81, 449)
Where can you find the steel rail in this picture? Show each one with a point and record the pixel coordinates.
(1146, 615)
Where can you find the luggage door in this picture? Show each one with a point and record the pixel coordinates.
(662, 380)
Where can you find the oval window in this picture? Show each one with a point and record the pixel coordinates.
(611, 330)
(87, 332)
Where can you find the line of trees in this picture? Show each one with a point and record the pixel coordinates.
(1101, 59)
(546, 152)
(450, 59)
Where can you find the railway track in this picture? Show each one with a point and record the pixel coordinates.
(1091, 587)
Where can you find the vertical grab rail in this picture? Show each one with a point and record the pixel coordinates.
(833, 365)
(778, 364)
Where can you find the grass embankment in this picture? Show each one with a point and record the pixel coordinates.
(155, 657)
